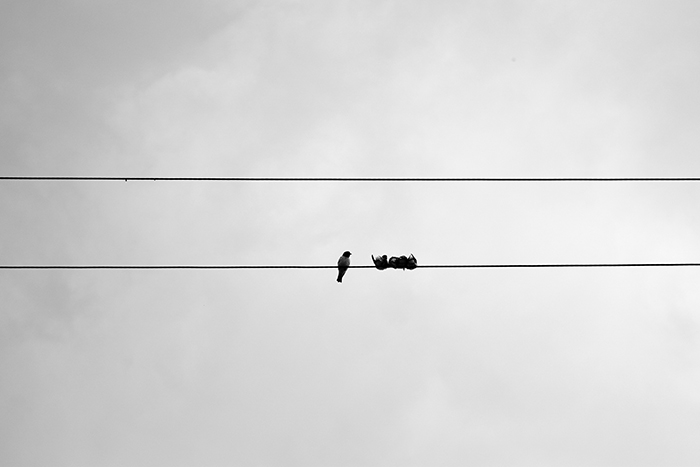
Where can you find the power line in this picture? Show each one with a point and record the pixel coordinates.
(357, 179)
(444, 266)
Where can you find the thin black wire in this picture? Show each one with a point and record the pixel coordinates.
(359, 179)
(445, 266)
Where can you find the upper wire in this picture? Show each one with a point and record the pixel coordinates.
(358, 179)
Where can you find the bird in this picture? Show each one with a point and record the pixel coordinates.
(401, 262)
(394, 262)
(380, 262)
(412, 262)
(343, 265)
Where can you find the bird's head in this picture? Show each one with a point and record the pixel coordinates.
(347, 254)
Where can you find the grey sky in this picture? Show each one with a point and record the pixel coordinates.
(288, 367)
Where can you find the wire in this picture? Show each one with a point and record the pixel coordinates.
(359, 179)
(445, 266)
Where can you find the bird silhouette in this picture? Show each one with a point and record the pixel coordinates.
(412, 262)
(380, 262)
(343, 265)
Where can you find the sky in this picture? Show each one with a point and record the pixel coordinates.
(439, 367)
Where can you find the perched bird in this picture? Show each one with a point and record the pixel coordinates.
(412, 262)
(343, 265)
(398, 262)
(401, 263)
(380, 262)
(394, 262)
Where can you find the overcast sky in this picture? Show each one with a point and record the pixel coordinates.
(431, 367)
